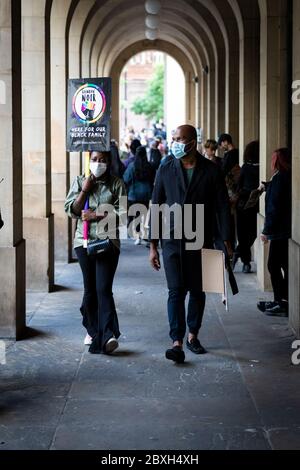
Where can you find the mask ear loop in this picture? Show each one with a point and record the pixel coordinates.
(189, 143)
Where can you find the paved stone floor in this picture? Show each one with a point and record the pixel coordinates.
(244, 394)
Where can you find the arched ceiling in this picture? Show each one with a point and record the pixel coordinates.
(207, 29)
(211, 34)
(198, 24)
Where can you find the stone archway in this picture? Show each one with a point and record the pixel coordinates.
(163, 46)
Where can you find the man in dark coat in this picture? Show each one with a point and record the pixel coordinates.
(187, 179)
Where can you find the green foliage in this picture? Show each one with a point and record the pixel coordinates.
(152, 104)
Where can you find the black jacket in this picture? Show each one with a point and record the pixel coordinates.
(278, 221)
(248, 181)
(207, 187)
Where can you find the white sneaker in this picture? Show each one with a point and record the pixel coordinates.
(111, 345)
(138, 241)
(88, 340)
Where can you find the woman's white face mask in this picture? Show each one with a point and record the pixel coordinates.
(98, 169)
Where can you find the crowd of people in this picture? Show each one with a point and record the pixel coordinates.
(147, 170)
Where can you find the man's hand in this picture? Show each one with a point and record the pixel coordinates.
(264, 239)
(229, 249)
(154, 258)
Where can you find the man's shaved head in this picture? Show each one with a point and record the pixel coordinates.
(187, 132)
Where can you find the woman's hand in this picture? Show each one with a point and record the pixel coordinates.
(262, 188)
(264, 239)
(91, 216)
(88, 216)
(89, 184)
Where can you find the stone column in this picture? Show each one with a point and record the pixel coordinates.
(294, 295)
(60, 162)
(190, 92)
(38, 219)
(12, 245)
(274, 92)
(203, 100)
(249, 76)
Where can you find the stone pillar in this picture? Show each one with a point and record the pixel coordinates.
(274, 92)
(203, 104)
(60, 163)
(190, 98)
(12, 245)
(294, 270)
(232, 111)
(249, 76)
(212, 104)
(38, 220)
(115, 115)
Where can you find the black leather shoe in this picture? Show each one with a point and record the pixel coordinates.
(263, 306)
(277, 311)
(195, 346)
(176, 354)
(247, 269)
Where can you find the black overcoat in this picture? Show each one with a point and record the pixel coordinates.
(183, 267)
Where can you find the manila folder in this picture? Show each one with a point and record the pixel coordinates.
(213, 271)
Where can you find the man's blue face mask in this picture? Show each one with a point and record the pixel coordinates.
(179, 149)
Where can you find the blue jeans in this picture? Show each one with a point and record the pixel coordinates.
(176, 312)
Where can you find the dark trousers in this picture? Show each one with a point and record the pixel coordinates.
(246, 233)
(278, 266)
(98, 306)
(176, 312)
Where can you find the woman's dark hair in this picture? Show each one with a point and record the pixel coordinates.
(107, 154)
(135, 144)
(251, 154)
(142, 168)
(282, 160)
(155, 158)
(116, 166)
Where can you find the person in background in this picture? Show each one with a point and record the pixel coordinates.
(117, 168)
(210, 148)
(231, 170)
(139, 178)
(247, 218)
(133, 147)
(278, 230)
(231, 155)
(98, 307)
(155, 155)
